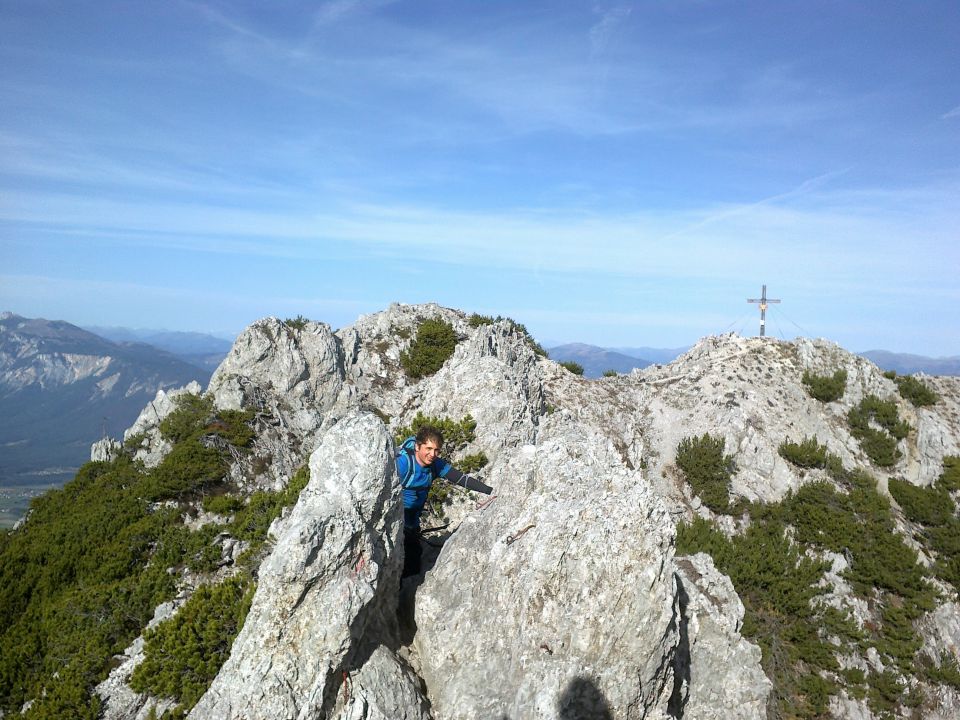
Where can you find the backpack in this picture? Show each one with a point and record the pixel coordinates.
(408, 448)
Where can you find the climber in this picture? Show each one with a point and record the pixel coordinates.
(418, 465)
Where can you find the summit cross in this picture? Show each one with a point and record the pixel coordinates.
(763, 300)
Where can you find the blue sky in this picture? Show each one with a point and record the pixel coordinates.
(621, 174)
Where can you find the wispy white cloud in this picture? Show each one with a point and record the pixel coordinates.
(835, 237)
(951, 114)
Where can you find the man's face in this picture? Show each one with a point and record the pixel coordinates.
(427, 452)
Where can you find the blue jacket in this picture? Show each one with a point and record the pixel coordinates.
(415, 493)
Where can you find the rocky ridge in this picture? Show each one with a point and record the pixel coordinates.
(563, 597)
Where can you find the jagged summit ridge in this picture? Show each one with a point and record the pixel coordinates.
(587, 602)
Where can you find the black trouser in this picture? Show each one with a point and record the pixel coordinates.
(411, 551)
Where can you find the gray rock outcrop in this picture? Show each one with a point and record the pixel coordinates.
(332, 574)
(721, 678)
(153, 447)
(565, 580)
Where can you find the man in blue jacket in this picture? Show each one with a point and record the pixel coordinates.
(418, 465)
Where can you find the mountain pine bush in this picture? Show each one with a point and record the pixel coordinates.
(183, 654)
(915, 391)
(879, 443)
(808, 453)
(825, 388)
(574, 367)
(433, 344)
(707, 470)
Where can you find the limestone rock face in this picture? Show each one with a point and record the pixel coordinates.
(302, 366)
(383, 689)
(565, 581)
(332, 574)
(492, 376)
(292, 378)
(153, 447)
(372, 347)
(104, 450)
(721, 678)
(937, 431)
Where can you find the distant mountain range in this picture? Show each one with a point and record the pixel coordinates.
(61, 389)
(906, 364)
(200, 349)
(597, 360)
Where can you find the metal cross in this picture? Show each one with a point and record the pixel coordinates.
(763, 300)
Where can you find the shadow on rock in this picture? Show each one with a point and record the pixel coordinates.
(406, 607)
(681, 660)
(582, 700)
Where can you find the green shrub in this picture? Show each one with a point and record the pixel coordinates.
(946, 673)
(933, 509)
(76, 586)
(707, 470)
(883, 412)
(777, 584)
(574, 367)
(471, 463)
(252, 521)
(807, 454)
(222, 504)
(826, 388)
(134, 442)
(232, 426)
(297, 323)
(859, 523)
(476, 320)
(183, 654)
(915, 391)
(456, 434)
(81, 579)
(950, 478)
(880, 445)
(434, 343)
(188, 467)
(885, 691)
(191, 414)
(925, 506)
(610, 373)
(195, 463)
